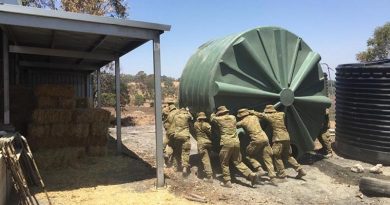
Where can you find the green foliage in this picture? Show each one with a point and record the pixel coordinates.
(113, 8)
(139, 100)
(108, 99)
(107, 81)
(378, 46)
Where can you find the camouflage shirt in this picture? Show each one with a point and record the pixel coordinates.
(279, 130)
(181, 122)
(227, 128)
(251, 125)
(171, 126)
(202, 132)
(165, 113)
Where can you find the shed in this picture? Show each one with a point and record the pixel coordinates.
(47, 46)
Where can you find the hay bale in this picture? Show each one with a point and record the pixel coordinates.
(78, 134)
(83, 103)
(53, 116)
(96, 151)
(66, 103)
(53, 90)
(38, 131)
(47, 102)
(59, 158)
(59, 131)
(79, 130)
(101, 115)
(83, 116)
(99, 129)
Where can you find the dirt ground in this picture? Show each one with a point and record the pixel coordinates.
(113, 179)
(329, 181)
(130, 179)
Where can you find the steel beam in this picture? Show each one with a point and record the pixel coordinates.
(157, 109)
(96, 45)
(44, 19)
(6, 79)
(32, 64)
(98, 88)
(118, 106)
(61, 53)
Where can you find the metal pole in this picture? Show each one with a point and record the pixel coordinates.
(98, 88)
(6, 79)
(118, 106)
(157, 108)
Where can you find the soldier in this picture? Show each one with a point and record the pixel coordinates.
(281, 143)
(170, 132)
(259, 143)
(182, 144)
(230, 151)
(167, 148)
(203, 137)
(325, 136)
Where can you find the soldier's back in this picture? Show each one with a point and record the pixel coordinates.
(279, 130)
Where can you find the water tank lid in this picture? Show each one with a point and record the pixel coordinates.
(385, 63)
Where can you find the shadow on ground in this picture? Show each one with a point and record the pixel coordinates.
(111, 169)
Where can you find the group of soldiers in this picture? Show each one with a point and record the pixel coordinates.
(177, 144)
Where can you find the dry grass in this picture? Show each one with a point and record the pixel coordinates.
(113, 194)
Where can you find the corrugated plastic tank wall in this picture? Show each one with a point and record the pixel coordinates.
(266, 65)
(363, 111)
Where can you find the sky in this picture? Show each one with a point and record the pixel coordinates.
(335, 29)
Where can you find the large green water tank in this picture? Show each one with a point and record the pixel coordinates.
(266, 65)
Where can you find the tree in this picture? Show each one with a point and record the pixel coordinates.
(139, 100)
(378, 46)
(113, 8)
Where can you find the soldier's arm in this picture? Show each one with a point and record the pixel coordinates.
(207, 128)
(239, 123)
(212, 117)
(257, 114)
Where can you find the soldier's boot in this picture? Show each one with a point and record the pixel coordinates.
(281, 175)
(328, 155)
(186, 171)
(273, 181)
(208, 180)
(300, 174)
(254, 178)
(227, 184)
(261, 172)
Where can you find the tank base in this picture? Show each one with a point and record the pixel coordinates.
(365, 155)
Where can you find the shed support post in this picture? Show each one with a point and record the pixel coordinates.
(118, 106)
(158, 116)
(6, 79)
(98, 86)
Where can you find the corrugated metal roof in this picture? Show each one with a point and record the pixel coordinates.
(63, 32)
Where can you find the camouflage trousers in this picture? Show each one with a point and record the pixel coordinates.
(204, 152)
(326, 142)
(181, 152)
(168, 151)
(261, 149)
(282, 152)
(231, 153)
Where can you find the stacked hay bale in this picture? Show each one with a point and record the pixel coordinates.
(64, 128)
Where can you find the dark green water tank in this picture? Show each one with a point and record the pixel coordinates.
(266, 65)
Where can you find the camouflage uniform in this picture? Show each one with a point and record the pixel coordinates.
(202, 135)
(230, 143)
(259, 144)
(167, 148)
(170, 130)
(281, 142)
(325, 136)
(182, 144)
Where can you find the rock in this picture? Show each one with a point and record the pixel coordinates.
(357, 168)
(377, 169)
